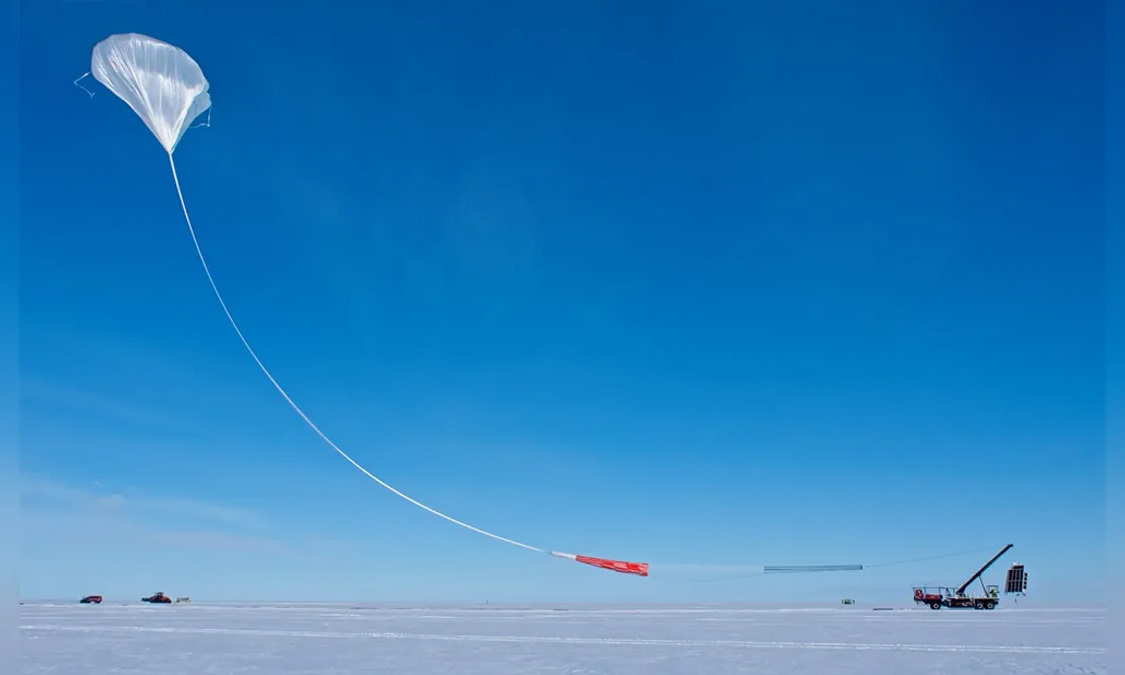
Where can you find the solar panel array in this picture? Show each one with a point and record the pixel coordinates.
(1017, 579)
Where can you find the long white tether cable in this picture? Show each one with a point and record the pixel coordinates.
(295, 407)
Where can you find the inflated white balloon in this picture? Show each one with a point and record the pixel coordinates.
(159, 81)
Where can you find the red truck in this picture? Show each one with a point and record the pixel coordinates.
(158, 598)
(947, 597)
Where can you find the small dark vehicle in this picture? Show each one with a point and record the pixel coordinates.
(158, 598)
(91, 599)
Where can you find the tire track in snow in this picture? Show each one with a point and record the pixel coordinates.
(745, 644)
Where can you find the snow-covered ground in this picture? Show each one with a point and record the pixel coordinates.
(300, 638)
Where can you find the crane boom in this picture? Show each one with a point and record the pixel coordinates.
(961, 590)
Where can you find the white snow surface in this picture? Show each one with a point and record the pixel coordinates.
(355, 638)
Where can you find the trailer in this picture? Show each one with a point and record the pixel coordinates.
(944, 596)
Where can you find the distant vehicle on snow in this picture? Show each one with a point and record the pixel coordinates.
(91, 599)
(158, 598)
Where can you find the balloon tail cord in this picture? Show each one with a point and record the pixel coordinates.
(84, 76)
(204, 124)
(293, 405)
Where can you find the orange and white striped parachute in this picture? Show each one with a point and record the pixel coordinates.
(623, 566)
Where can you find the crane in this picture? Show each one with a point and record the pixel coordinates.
(960, 592)
(945, 597)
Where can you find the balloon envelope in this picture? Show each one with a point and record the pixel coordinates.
(159, 81)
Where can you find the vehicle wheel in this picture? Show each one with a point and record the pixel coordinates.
(935, 605)
(978, 605)
(990, 605)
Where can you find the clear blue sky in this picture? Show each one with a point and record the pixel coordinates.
(739, 284)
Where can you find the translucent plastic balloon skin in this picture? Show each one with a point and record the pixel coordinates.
(166, 87)
(159, 81)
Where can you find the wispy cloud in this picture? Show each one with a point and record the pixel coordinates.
(40, 394)
(36, 486)
(200, 510)
(51, 507)
(218, 541)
